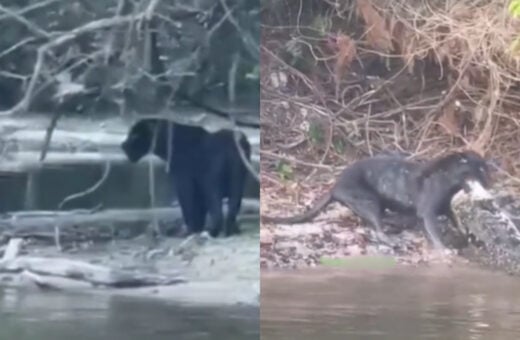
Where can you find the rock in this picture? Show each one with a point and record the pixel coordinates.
(343, 238)
(354, 250)
(266, 237)
(286, 245)
(297, 230)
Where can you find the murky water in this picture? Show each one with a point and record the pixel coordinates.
(400, 303)
(36, 315)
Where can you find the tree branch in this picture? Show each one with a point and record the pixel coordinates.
(23, 104)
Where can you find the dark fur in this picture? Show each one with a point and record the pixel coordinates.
(371, 185)
(205, 168)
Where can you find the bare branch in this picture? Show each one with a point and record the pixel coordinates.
(90, 190)
(17, 45)
(32, 27)
(150, 10)
(253, 49)
(91, 26)
(29, 8)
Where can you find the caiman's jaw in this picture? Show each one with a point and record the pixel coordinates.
(476, 190)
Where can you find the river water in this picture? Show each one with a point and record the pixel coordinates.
(392, 304)
(37, 315)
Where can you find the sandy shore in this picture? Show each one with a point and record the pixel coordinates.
(221, 271)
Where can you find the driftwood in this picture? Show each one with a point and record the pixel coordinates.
(78, 141)
(58, 273)
(493, 223)
(43, 224)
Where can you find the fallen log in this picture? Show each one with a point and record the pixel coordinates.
(82, 141)
(48, 272)
(43, 224)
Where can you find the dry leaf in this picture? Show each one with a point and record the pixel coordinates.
(476, 147)
(448, 120)
(377, 35)
(398, 33)
(403, 41)
(346, 53)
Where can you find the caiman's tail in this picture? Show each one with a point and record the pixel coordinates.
(317, 207)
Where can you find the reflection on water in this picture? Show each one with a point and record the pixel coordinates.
(403, 303)
(29, 315)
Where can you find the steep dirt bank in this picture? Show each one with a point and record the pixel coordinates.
(340, 83)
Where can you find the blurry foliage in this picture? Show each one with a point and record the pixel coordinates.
(285, 171)
(316, 133)
(514, 10)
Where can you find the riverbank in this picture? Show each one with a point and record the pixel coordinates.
(335, 237)
(221, 271)
(107, 226)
